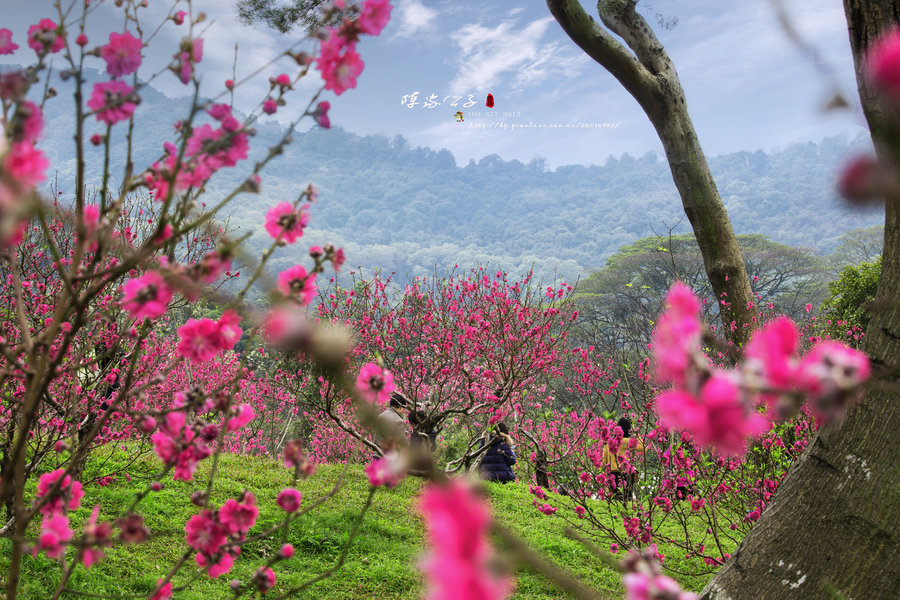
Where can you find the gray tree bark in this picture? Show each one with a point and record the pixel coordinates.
(835, 522)
(646, 71)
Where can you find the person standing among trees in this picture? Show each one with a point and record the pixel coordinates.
(499, 458)
(392, 420)
(625, 481)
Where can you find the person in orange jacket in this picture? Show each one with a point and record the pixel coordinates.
(625, 482)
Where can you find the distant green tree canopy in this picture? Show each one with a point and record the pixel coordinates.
(859, 245)
(619, 303)
(848, 305)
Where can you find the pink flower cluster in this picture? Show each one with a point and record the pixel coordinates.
(295, 458)
(297, 284)
(200, 340)
(7, 46)
(122, 54)
(112, 101)
(147, 296)
(338, 61)
(55, 531)
(212, 532)
(883, 63)
(46, 37)
(457, 523)
(190, 53)
(208, 149)
(285, 223)
(67, 497)
(375, 383)
(289, 500)
(23, 165)
(179, 445)
(644, 579)
(713, 404)
(388, 470)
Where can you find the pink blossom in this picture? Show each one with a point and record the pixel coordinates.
(269, 106)
(831, 373)
(204, 533)
(190, 53)
(338, 259)
(289, 500)
(863, 179)
(45, 37)
(109, 100)
(95, 534)
(677, 334)
(7, 46)
(883, 63)
(26, 164)
(772, 352)
(321, 114)
(55, 533)
(228, 328)
(388, 470)
(546, 508)
(637, 586)
(295, 282)
(457, 522)
(375, 383)
(148, 296)
(265, 579)
(718, 418)
(163, 592)
(179, 17)
(68, 497)
(374, 15)
(81, 40)
(245, 414)
(282, 220)
(294, 457)
(32, 121)
(339, 63)
(212, 266)
(122, 54)
(239, 517)
(199, 340)
(220, 567)
(286, 551)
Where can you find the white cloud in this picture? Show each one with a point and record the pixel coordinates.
(414, 17)
(489, 54)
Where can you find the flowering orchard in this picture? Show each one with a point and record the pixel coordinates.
(464, 348)
(99, 283)
(103, 339)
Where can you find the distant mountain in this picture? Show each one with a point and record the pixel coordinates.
(408, 210)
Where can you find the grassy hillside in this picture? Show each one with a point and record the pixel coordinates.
(381, 563)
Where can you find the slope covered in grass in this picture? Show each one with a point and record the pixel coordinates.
(380, 564)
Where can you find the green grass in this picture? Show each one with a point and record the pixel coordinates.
(380, 564)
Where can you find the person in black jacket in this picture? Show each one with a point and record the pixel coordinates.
(499, 458)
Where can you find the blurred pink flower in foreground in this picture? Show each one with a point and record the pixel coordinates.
(457, 523)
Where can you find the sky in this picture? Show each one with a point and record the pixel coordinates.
(748, 86)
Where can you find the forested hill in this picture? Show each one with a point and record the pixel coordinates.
(408, 209)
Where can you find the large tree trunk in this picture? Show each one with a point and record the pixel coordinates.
(649, 75)
(835, 521)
